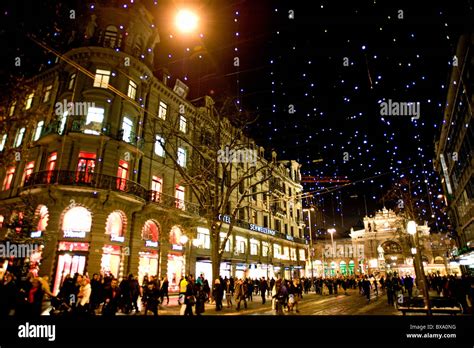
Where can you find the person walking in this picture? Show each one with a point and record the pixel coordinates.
(366, 288)
(240, 291)
(164, 291)
(151, 299)
(263, 289)
(190, 296)
(228, 293)
(113, 297)
(408, 282)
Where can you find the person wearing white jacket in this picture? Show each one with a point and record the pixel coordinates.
(85, 294)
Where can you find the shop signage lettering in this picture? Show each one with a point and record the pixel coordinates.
(150, 243)
(74, 234)
(120, 239)
(225, 218)
(177, 247)
(36, 234)
(261, 229)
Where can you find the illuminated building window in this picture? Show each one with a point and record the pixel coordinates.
(19, 137)
(3, 140)
(127, 127)
(132, 90)
(253, 247)
(182, 124)
(227, 244)
(182, 157)
(38, 129)
(156, 188)
(179, 195)
(122, 175)
(85, 166)
(7, 182)
(302, 255)
(150, 231)
(51, 165)
(277, 251)
(102, 78)
(30, 166)
(159, 146)
(29, 100)
(94, 119)
(2, 218)
(72, 79)
(265, 249)
(11, 111)
(163, 109)
(47, 93)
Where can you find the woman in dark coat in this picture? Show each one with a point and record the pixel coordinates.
(201, 298)
(218, 294)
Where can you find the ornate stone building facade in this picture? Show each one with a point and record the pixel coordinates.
(383, 246)
(107, 198)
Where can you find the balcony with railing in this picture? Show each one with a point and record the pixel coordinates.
(169, 201)
(86, 179)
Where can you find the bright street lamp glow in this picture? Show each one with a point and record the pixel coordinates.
(411, 227)
(332, 230)
(413, 251)
(186, 21)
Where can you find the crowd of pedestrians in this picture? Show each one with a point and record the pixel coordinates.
(105, 295)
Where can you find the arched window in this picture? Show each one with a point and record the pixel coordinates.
(77, 219)
(351, 267)
(150, 231)
(175, 235)
(111, 37)
(391, 248)
(342, 267)
(116, 224)
(439, 260)
(42, 214)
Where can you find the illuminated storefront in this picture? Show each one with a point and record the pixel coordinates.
(149, 255)
(72, 255)
(72, 258)
(111, 259)
(176, 259)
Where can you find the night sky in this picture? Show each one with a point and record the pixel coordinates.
(396, 50)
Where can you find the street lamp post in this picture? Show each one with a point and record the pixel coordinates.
(311, 252)
(331, 232)
(413, 231)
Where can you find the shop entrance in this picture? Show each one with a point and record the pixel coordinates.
(175, 271)
(71, 259)
(148, 265)
(110, 263)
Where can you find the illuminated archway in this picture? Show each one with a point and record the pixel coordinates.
(175, 235)
(42, 214)
(116, 224)
(77, 219)
(151, 231)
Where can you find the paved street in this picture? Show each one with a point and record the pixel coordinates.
(350, 304)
